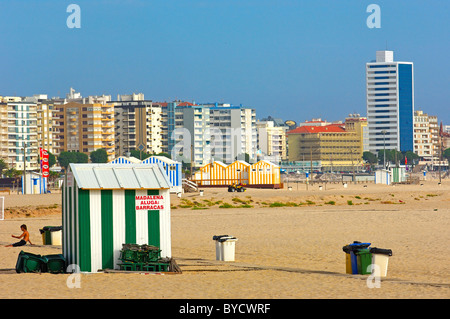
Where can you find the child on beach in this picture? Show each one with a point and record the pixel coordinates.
(24, 240)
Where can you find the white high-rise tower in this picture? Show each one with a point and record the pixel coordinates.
(390, 103)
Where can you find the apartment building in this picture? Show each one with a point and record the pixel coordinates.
(423, 144)
(390, 103)
(237, 125)
(216, 131)
(45, 126)
(444, 132)
(434, 130)
(233, 132)
(84, 128)
(426, 136)
(170, 119)
(18, 133)
(272, 144)
(333, 147)
(4, 150)
(138, 125)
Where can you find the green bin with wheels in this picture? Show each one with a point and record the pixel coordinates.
(28, 262)
(55, 264)
(364, 260)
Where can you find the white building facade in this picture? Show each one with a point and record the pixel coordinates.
(20, 136)
(390, 103)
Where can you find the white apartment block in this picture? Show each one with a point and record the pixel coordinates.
(390, 103)
(19, 134)
(434, 130)
(217, 132)
(423, 142)
(239, 135)
(193, 124)
(271, 141)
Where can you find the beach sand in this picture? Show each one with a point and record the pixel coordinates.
(289, 252)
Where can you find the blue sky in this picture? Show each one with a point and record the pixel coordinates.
(294, 59)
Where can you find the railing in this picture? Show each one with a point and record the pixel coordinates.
(219, 181)
(189, 184)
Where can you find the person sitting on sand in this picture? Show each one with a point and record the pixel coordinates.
(24, 240)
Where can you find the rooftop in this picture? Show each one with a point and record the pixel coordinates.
(332, 128)
(118, 176)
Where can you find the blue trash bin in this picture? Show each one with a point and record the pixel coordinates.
(352, 249)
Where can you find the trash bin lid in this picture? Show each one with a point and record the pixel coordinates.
(229, 238)
(381, 251)
(52, 228)
(355, 246)
(215, 237)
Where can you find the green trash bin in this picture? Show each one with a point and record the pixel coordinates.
(55, 264)
(364, 259)
(27, 262)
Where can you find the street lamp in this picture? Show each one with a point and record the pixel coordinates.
(384, 148)
(24, 168)
(353, 166)
(441, 144)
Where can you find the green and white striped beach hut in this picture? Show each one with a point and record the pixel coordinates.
(105, 206)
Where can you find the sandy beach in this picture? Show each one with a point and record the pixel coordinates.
(289, 245)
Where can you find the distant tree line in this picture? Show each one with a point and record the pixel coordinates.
(98, 156)
(142, 155)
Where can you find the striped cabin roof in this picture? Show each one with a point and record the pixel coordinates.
(264, 162)
(164, 159)
(120, 176)
(125, 160)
